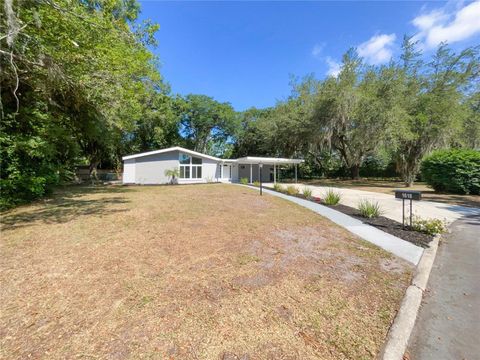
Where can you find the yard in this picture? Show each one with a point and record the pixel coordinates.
(189, 272)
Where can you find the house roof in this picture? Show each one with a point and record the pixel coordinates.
(242, 160)
(267, 160)
(175, 148)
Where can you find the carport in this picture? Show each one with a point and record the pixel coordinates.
(250, 166)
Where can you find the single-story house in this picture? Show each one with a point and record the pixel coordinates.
(194, 167)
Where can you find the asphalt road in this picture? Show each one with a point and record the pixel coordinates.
(448, 323)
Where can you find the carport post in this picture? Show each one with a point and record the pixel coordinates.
(274, 173)
(295, 173)
(260, 169)
(250, 173)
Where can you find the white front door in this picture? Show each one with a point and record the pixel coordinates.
(227, 172)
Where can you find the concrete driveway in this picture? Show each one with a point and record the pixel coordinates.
(393, 207)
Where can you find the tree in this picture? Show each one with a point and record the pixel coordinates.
(72, 79)
(430, 98)
(205, 124)
(354, 112)
(470, 135)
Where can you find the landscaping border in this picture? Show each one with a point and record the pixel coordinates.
(404, 322)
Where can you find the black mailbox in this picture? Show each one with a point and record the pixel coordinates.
(408, 195)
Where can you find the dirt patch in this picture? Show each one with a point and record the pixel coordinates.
(158, 272)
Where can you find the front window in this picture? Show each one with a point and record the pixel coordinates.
(190, 167)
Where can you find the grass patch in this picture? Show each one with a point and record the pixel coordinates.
(332, 197)
(292, 190)
(112, 264)
(245, 259)
(369, 209)
(307, 192)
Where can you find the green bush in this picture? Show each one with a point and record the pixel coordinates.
(332, 197)
(292, 190)
(369, 209)
(429, 226)
(256, 183)
(455, 171)
(244, 181)
(278, 187)
(307, 192)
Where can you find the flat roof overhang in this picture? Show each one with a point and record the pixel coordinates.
(263, 160)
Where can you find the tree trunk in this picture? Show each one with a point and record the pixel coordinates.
(355, 172)
(92, 169)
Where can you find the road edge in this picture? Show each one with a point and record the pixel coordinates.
(402, 326)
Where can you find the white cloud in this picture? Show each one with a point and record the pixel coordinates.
(317, 50)
(334, 67)
(451, 26)
(378, 49)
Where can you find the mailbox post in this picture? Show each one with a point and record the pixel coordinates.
(407, 195)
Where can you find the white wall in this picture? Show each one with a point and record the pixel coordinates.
(151, 169)
(129, 171)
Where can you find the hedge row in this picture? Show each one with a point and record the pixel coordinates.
(454, 171)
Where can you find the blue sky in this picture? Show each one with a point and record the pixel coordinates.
(245, 52)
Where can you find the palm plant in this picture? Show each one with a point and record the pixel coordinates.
(173, 174)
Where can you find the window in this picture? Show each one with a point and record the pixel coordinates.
(190, 167)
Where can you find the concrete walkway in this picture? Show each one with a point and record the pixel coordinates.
(448, 324)
(393, 207)
(393, 244)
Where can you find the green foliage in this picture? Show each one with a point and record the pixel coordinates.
(76, 78)
(429, 226)
(430, 98)
(207, 124)
(354, 113)
(307, 192)
(173, 174)
(456, 171)
(256, 183)
(332, 197)
(369, 209)
(292, 190)
(244, 181)
(278, 187)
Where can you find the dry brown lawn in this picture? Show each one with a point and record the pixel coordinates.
(389, 186)
(189, 272)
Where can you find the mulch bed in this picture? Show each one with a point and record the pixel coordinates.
(388, 225)
(382, 223)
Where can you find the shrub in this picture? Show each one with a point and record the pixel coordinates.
(292, 190)
(256, 183)
(369, 209)
(456, 171)
(307, 192)
(429, 226)
(278, 187)
(244, 181)
(173, 174)
(332, 197)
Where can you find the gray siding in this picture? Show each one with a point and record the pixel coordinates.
(151, 169)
